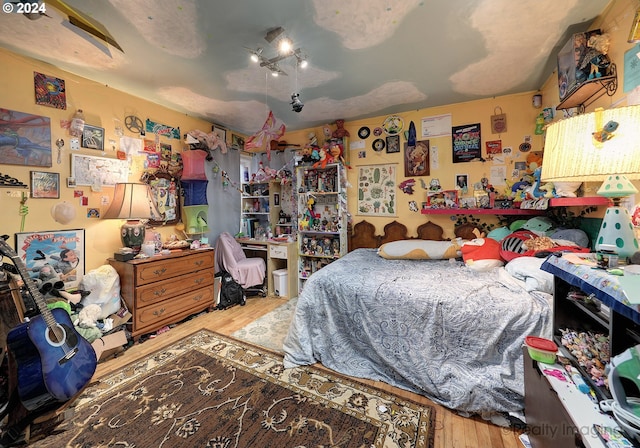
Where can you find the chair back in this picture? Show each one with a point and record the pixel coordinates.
(228, 253)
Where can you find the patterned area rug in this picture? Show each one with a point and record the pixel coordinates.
(212, 391)
(269, 330)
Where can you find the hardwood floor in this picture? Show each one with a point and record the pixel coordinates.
(452, 431)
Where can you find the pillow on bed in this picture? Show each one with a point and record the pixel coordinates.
(482, 254)
(421, 249)
(528, 270)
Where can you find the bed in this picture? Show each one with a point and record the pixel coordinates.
(434, 327)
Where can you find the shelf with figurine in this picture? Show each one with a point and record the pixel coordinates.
(322, 216)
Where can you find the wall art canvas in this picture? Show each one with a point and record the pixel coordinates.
(377, 190)
(25, 139)
(49, 91)
(416, 159)
(466, 143)
(53, 254)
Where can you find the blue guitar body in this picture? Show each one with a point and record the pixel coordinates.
(54, 361)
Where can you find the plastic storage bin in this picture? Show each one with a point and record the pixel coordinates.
(280, 279)
(541, 349)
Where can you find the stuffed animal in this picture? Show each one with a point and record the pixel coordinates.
(340, 132)
(89, 315)
(482, 254)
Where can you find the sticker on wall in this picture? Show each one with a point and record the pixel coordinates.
(162, 129)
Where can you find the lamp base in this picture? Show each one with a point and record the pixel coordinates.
(132, 234)
(617, 230)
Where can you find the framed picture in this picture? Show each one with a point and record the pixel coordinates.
(482, 199)
(450, 198)
(416, 159)
(221, 133)
(462, 181)
(237, 142)
(393, 144)
(45, 185)
(276, 199)
(377, 190)
(93, 137)
(53, 255)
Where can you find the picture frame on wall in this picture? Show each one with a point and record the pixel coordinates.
(393, 144)
(53, 254)
(45, 185)
(93, 137)
(237, 142)
(221, 133)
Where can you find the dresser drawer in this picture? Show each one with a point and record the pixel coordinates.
(172, 267)
(278, 251)
(165, 289)
(155, 315)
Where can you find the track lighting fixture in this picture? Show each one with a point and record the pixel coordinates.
(285, 50)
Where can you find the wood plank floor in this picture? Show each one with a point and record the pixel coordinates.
(452, 431)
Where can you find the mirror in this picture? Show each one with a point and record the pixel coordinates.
(165, 189)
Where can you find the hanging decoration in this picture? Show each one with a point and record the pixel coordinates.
(264, 137)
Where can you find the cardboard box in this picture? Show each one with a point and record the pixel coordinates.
(109, 344)
(570, 59)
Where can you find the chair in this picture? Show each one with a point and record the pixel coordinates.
(250, 273)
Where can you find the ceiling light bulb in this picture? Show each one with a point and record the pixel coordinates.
(303, 63)
(274, 74)
(285, 46)
(254, 57)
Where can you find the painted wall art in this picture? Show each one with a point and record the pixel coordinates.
(49, 91)
(25, 139)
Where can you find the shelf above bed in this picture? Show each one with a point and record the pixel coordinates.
(554, 202)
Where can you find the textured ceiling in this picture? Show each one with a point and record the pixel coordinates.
(366, 57)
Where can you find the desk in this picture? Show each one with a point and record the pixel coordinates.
(277, 255)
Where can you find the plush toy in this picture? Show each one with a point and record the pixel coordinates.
(89, 315)
(340, 132)
(482, 254)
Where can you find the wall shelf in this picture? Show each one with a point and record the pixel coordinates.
(590, 90)
(553, 202)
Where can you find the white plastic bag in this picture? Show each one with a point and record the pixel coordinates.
(104, 284)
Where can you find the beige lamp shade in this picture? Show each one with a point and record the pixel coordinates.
(132, 201)
(591, 147)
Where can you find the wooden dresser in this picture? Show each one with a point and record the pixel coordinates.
(165, 289)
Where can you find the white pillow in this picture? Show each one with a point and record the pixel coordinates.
(528, 270)
(421, 249)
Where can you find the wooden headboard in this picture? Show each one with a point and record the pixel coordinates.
(363, 234)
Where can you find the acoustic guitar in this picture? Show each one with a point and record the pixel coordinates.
(54, 361)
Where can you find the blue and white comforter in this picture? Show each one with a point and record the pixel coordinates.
(433, 327)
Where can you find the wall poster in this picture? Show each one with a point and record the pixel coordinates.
(53, 255)
(466, 143)
(377, 190)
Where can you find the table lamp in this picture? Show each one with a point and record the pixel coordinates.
(602, 146)
(133, 202)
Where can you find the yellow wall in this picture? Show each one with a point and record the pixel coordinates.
(615, 20)
(104, 107)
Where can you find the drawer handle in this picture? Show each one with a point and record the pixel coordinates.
(159, 312)
(197, 298)
(198, 263)
(159, 272)
(159, 292)
(198, 281)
